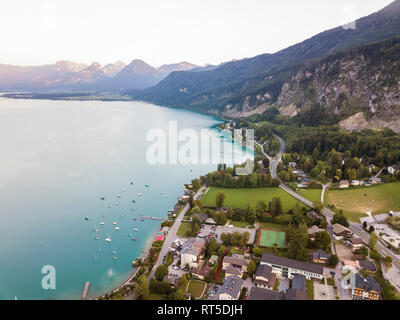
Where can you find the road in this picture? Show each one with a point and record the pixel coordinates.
(354, 227)
(278, 158)
(172, 234)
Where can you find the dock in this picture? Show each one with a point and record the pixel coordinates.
(85, 290)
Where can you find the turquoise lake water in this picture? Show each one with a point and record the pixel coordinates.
(57, 158)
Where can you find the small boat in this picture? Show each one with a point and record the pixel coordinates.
(117, 228)
(95, 230)
(114, 223)
(102, 223)
(86, 218)
(147, 186)
(139, 194)
(136, 229)
(115, 252)
(141, 219)
(131, 183)
(115, 258)
(130, 235)
(134, 201)
(165, 195)
(99, 249)
(133, 239)
(102, 198)
(97, 238)
(123, 189)
(95, 259)
(108, 239)
(118, 195)
(116, 203)
(134, 219)
(153, 218)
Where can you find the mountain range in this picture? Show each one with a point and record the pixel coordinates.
(66, 75)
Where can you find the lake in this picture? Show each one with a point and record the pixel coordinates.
(57, 159)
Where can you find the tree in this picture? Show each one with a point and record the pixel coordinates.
(196, 184)
(322, 240)
(333, 260)
(318, 206)
(161, 272)
(340, 219)
(372, 241)
(298, 239)
(251, 268)
(220, 199)
(276, 207)
(212, 246)
(265, 162)
(141, 290)
(220, 218)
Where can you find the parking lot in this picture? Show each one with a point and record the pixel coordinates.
(230, 229)
(323, 292)
(388, 234)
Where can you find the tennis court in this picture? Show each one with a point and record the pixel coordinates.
(268, 237)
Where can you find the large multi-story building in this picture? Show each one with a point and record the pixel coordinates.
(288, 268)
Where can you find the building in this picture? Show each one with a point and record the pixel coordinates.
(343, 184)
(201, 271)
(340, 232)
(320, 256)
(236, 261)
(354, 243)
(299, 174)
(231, 288)
(392, 169)
(367, 265)
(306, 181)
(298, 290)
(352, 265)
(313, 215)
(257, 293)
(313, 231)
(288, 268)
(264, 277)
(362, 288)
(172, 280)
(355, 183)
(292, 164)
(375, 180)
(191, 252)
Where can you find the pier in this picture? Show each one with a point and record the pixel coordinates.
(85, 290)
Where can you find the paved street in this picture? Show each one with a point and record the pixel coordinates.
(172, 235)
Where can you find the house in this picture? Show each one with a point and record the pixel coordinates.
(298, 290)
(233, 271)
(392, 169)
(354, 243)
(299, 174)
(355, 183)
(292, 165)
(367, 265)
(191, 251)
(213, 259)
(210, 221)
(375, 180)
(320, 256)
(362, 288)
(306, 181)
(257, 293)
(202, 271)
(352, 265)
(340, 232)
(313, 215)
(235, 263)
(313, 231)
(288, 268)
(231, 288)
(343, 184)
(172, 280)
(264, 277)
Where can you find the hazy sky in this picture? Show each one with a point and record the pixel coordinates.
(164, 31)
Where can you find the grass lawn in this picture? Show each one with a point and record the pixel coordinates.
(267, 238)
(183, 228)
(276, 284)
(268, 225)
(311, 194)
(240, 224)
(356, 202)
(310, 289)
(195, 288)
(239, 198)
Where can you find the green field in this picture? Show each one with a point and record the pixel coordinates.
(311, 194)
(183, 228)
(355, 203)
(239, 198)
(195, 288)
(268, 237)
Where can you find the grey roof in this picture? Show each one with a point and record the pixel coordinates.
(367, 265)
(232, 286)
(233, 270)
(236, 261)
(264, 294)
(300, 265)
(263, 271)
(193, 246)
(320, 254)
(294, 294)
(299, 282)
(367, 284)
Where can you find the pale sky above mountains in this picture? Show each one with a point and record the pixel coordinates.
(164, 31)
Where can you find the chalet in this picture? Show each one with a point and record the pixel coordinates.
(343, 184)
(231, 288)
(264, 277)
(354, 243)
(298, 292)
(362, 288)
(306, 181)
(201, 271)
(288, 268)
(172, 280)
(340, 232)
(320, 256)
(367, 265)
(236, 261)
(299, 174)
